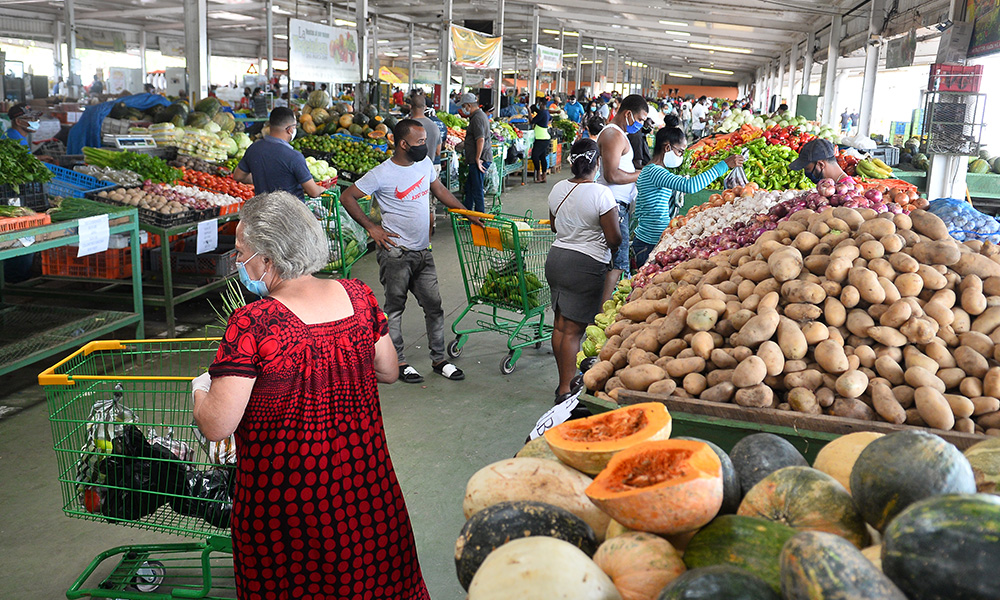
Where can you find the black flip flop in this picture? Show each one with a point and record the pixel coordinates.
(407, 374)
(454, 373)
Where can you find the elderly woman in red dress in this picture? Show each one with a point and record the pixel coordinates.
(318, 512)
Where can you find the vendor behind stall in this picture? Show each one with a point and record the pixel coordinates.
(23, 122)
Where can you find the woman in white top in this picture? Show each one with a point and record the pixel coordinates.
(584, 217)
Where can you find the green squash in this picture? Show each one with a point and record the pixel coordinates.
(901, 468)
(817, 565)
(945, 548)
(757, 456)
(979, 166)
(731, 492)
(720, 582)
(198, 119)
(210, 106)
(745, 542)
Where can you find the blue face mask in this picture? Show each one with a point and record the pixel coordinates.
(255, 286)
(634, 127)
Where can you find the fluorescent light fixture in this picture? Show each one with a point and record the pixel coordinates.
(720, 48)
(681, 75)
(343, 22)
(573, 55)
(280, 36)
(383, 41)
(571, 33)
(680, 33)
(587, 47)
(510, 72)
(230, 16)
(674, 23)
(719, 71)
(551, 31)
(590, 62)
(391, 54)
(278, 10)
(430, 51)
(524, 40)
(681, 41)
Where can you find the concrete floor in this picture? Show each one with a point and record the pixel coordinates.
(439, 433)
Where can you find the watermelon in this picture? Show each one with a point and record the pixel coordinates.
(720, 582)
(822, 565)
(731, 492)
(757, 456)
(745, 542)
(945, 548)
(979, 166)
(996, 164)
(496, 525)
(177, 109)
(210, 106)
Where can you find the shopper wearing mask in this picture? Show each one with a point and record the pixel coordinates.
(574, 110)
(640, 148)
(402, 187)
(818, 160)
(584, 216)
(656, 203)
(295, 379)
(699, 118)
(543, 141)
(271, 164)
(478, 152)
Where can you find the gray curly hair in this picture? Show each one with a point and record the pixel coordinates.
(279, 226)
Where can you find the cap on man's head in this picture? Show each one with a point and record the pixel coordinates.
(468, 99)
(22, 111)
(812, 151)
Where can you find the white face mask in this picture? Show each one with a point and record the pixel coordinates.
(32, 125)
(671, 160)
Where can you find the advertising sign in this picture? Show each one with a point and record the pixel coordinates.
(900, 51)
(549, 59)
(985, 16)
(474, 50)
(320, 53)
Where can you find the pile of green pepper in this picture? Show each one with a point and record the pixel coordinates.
(767, 166)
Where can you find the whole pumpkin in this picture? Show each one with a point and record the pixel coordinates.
(640, 564)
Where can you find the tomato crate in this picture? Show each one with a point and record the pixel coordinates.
(115, 263)
(29, 195)
(10, 224)
(69, 183)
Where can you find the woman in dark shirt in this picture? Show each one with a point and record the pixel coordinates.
(543, 141)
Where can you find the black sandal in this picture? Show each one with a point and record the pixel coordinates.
(407, 374)
(449, 371)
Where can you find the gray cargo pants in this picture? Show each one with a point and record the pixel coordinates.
(403, 271)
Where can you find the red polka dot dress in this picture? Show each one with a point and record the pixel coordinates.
(318, 512)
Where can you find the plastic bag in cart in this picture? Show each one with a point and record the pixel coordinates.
(219, 453)
(491, 186)
(180, 449)
(208, 496)
(139, 477)
(736, 177)
(105, 422)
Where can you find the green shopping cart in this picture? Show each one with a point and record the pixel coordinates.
(503, 267)
(129, 454)
(348, 241)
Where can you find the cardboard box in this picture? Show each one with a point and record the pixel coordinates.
(954, 46)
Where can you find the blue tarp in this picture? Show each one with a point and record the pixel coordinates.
(87, 131)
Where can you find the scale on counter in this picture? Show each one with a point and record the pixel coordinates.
(132, 142)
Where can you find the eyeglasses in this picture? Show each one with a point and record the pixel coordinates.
(676, 150)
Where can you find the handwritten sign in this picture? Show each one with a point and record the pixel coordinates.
(94, 235)
(208, 236)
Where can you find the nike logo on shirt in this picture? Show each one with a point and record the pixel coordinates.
(400, 195)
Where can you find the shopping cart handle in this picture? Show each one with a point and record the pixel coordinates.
(471, 213)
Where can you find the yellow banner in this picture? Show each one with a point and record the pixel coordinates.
(474, 50)
(394, 75)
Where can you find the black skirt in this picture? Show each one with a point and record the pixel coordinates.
(576, 282)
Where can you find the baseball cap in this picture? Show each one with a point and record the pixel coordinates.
(20, 110)
(469, 99)
(818, 149)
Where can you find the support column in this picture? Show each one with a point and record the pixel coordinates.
(871, 66)
(807, 63)
(498, 84)
(579, 62)
(329, 14)
(361, 18)
(142, 54)
(446, 58)
(781, 78)
(72, 77)
(793, 59)
(830, 82)
(196, 48)
(269, 37)
(946, 177)
(593, 70)
(562, 50)
(376, 62)
(533, 59)
(409, 76)
(607, 63)
(57, 42)
(617, 58)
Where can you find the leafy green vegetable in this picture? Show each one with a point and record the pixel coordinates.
(452, 120)
(68, 209)
(14, 211)
(147, 166)
(18, 166)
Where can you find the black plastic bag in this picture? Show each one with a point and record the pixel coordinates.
(208, 495)
(139, 477)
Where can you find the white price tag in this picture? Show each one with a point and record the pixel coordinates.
(27, 240)
(94, 235)
(208, 236)
(15, 201)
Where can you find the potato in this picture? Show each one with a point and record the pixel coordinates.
(672, 325)
(638, 356)
(804, 401)
(791, 340)
(877, 228)
(646, 340)
(664, 387)
(758, 396)
(979, 342)
(773, 357)
(637, 310)
(597, 376)
(971, 387)
(871, 250)
(973, 301)
(867, 284)
(785, 264)
(702, 319)
(892, 243)
(838, 269)
(897, 314)
(919, 331)
(834, 312)
(886, 405)
(932, 279)
(933, 408)
(803, 312)
(694, 383)
(916, 358)
(849, 296)
(830, 355)
(937, 253)
(859, 322)
(929, 224)
(961, 406)
(904, 395)
(673, 347)
(977, 264)
(810, 379)
(640, 378)
(702, 343)
(983, 405)
(815, 332)
(749, 372)
(882, 268)
(801, 291)
(918, 377)
(939, 312)
(722, 359)
(866, 356)
(852, 384)
(988, 321)
(887, 336)
(909, 284)
(951, 376)
(756, 271)
(758, 329)
(679, 367)
(721, 392)
(971, 362)
(613, 384)
(852, 408)
(817, 263)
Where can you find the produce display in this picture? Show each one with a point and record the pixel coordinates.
(18, 166)
(154, 197)
(198, 164)
(320, 169)
(767, 165)
(122, 177)
(12, 212)
(569, 128)
(794, 531)
(68, 209)
(222, 185)
(146, 166)
(965, 222)
(345, 154)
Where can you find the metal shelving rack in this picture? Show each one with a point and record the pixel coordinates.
(953, 122)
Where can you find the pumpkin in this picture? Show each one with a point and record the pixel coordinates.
(808, 500)
(535, 479)
(731, 492)
(615, 529)
(305, 118)
(536, 448)
(639, 564)
(901, 468)
(496, 525)
(668, 487)
(309, 128)
(757, 456)
(815, 564)
(320, 116)
(745, 542)
(945, 548)
(874, 554)
(985, 460)
(837, 457)
(588, 444)
(540, 568)
(719, 582)
(345, 121)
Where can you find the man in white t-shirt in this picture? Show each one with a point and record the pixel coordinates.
(699, 117)
(402, 187)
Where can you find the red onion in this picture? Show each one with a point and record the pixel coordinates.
(873, 195)
(842, 188)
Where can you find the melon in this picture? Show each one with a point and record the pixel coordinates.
(667, 487)
(808, 500)
(535, 479)
(536, 448)
(837, 457)
(719, 582)
(639, 564)
(731, 492)
(540, 568)
(588, 444)
(496, 525)
(225, 121)
(904, 467)
(757, 456)
(945, 548)
(984, 457)
(745, 542)
(822, 565)
(198, 119)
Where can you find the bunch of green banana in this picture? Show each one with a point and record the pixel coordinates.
(873, 168)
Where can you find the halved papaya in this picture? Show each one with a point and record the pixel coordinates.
(588, 444)
(665, 487)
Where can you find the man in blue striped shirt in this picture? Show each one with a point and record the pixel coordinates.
(654, 207)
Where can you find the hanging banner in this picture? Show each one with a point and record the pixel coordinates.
(170, 46)
(985, 17)
(900, 51)
(320, 53)
(474, 50)
(549, 59)
(426, 76)
(394, 75)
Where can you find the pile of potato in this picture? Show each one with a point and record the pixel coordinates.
(845, 312)
(144, 199)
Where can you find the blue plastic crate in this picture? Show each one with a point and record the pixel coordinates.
(69, 183)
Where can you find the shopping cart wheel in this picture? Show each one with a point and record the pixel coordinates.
(507, 364)
(149, 576)
(455, 348)
(538, 345)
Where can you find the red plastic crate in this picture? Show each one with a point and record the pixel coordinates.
(955, 78)
(112, 264)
